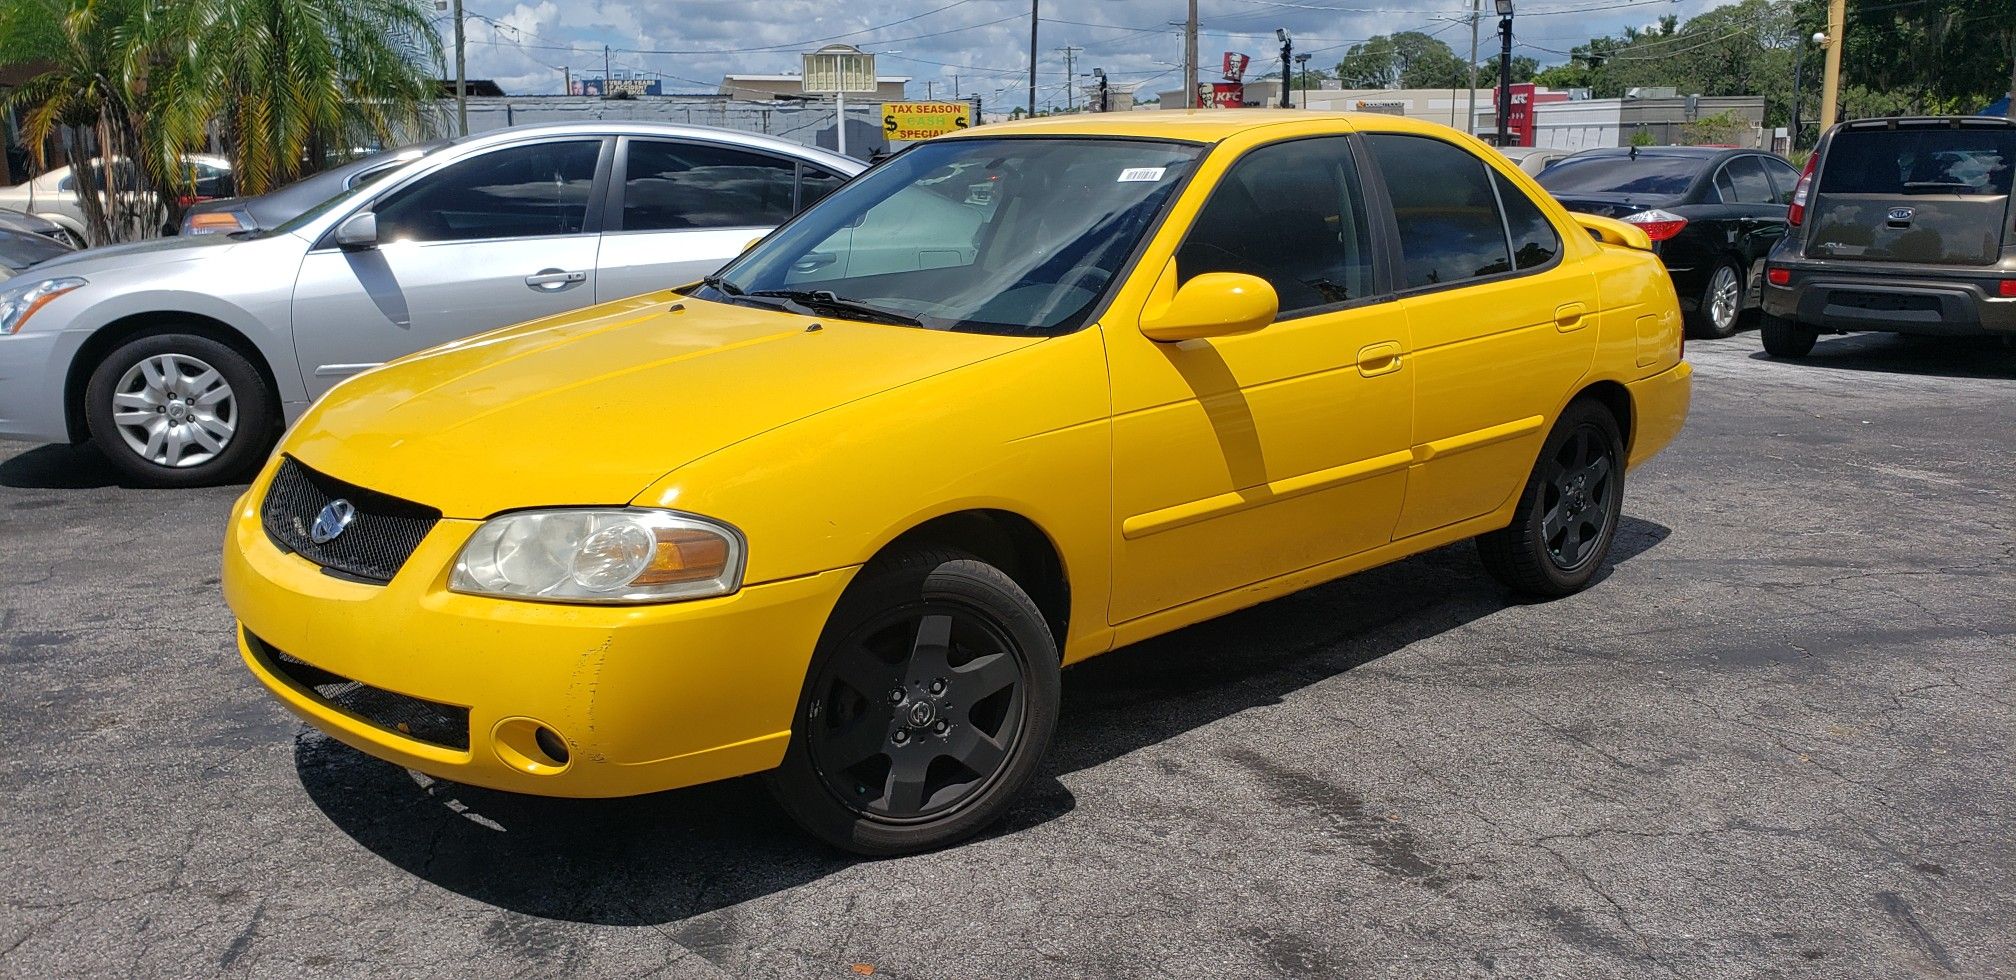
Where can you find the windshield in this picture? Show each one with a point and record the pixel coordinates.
(1648, 175)
(1013, 236)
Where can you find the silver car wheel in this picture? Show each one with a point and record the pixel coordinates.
(174, 410)
(1723, 295)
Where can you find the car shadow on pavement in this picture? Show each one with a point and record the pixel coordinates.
(666, 857)
(60, 467)
(1948, 357)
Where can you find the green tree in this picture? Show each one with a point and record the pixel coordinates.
(1524, 69)
(1409, 59)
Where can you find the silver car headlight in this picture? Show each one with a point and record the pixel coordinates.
(19, 302)
(600, 555)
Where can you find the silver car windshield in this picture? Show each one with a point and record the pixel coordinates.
(1011, 235)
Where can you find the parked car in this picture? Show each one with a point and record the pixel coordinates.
(53, 195)
(1899, 225)
(19, 250)
(182, 358)
(842, 522)
(1534, 159)
(229, 214)
(1712, 214)
(27, 224)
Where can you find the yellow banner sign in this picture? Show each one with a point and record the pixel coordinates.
(923, 120)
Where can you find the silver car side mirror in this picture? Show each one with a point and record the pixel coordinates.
(358, 231)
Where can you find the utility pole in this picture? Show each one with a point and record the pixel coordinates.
(566, 80)
(1830, 85)
(461, 78)
(1190, 58)
(1100, 74)
(1505, 70)
(1287, 74)
(1476, 14)
(1032, 55)
(1798, 93)
(1070, 77)
(1303, 60)
(605, 72)
(928, 84)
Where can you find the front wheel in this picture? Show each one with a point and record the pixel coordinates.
(930, 702)
(1787, 338)
(1568, 512)
(172, 409)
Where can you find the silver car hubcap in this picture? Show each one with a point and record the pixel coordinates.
(1722, 298)
(175, 410)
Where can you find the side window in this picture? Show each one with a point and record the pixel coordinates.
(814, 184)
(1752, 187)
(1293, 214)
(525, 191)
(1534, 240)
(1724, 187)
(1784, 179)
(669, 186)
(1450, 227)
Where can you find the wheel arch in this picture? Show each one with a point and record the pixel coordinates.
(1616, 398)
(1008, 541)
(107, 338)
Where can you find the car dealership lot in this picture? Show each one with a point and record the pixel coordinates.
(1774, 740)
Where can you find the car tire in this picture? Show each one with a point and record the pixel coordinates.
(214, 418)
(1568, 511)
(910, 735)
(1787, 338)
(1719, 313)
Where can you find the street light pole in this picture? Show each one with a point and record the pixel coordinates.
(1287, 74)
(1504, 71)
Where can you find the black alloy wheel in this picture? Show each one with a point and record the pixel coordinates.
(929, 704)
(1568, 513)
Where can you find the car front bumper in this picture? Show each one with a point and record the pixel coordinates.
(1835, 299)
(644, 698)
(33, 368)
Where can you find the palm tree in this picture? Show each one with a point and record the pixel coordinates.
(290, 79)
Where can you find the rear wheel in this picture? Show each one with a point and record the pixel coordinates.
(1568, 512)
(1721, 305)
(173, 409)
(930, 703)
(1787, 338)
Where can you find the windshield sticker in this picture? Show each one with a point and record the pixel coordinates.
(1141, 173)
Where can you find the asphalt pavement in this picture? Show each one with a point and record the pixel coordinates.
(1775, 739)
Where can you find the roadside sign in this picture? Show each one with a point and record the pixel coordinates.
(923, 120)
(838, 68)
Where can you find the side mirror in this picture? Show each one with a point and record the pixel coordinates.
(1212, 305)
(358, 231)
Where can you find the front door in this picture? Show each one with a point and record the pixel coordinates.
(499, 238)
(1238, 459)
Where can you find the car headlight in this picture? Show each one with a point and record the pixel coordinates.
(18, 303)
(600, 555)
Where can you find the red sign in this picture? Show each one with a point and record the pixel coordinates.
(1519, 122)
(1224, 95)
(1235, 66)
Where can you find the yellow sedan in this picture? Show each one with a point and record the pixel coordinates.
(1012, 399)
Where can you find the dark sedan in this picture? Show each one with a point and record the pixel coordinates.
(277, 207)
(1712, 213)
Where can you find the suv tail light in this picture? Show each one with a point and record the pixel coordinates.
(1797, 212)
(1658, 224)
(1778, 275)
(2006, 289)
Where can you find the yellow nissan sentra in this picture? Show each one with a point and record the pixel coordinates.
(1009, 400)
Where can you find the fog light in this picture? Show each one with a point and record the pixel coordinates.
(1778, 277)
(529, 746)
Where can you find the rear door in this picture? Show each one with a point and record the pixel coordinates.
(683, 208)
(1936, 195)
(1753, 216)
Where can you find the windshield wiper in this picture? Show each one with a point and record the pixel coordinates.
(722, 285)
(818, 300)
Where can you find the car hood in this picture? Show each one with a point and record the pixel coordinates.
(592, 407)
(157, 251)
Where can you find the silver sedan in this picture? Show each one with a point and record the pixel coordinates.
(183, 358)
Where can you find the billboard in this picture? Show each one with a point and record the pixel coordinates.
(604, 87)
(923, 120)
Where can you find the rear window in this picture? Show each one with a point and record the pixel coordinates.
(1647, 176)
(1926, 161)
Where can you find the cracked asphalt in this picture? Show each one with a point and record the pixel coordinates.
(1776, 739)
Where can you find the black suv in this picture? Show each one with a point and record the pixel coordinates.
(1898, 225)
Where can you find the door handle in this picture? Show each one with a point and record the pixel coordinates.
(1380, 358)
(1568, 316)
(554, 280)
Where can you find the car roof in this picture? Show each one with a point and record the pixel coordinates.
(1198, 125)
(608, 127)
(1690, 152)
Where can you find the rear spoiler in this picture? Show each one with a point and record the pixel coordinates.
(1610, 231)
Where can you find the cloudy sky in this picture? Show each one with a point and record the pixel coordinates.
(981, 46)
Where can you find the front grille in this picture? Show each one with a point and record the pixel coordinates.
(444, 725)
(372, 547)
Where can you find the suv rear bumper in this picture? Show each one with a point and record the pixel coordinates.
(1838, 300)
